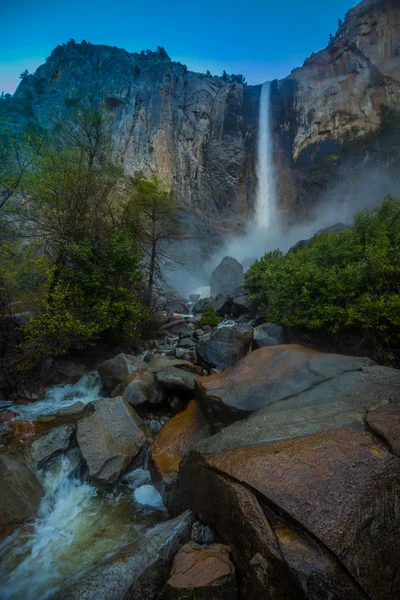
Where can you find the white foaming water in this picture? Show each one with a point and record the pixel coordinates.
(147, 495)
(76, 527)
(86, 390)
(266, 213)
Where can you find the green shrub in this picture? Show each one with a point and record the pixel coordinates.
(342, 283)
(209, 317)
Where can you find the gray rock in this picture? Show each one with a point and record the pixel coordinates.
(110, 439)
(138, 388)
(139, 571)
(187, 343)
(199, 332)
(167, 361)
(223, 347)
(202, 534)
(207, 328)
(267, 334)
(187, 354)
(75, 460)
(177, 306)
(20, 491)
(202, 304)
(56, 441)
(116, 369)
(193, 298)
(152, 425)
(227, 276)
(73, 412)
(56, 372)
(176, 380)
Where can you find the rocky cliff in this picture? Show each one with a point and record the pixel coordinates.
(200, 132)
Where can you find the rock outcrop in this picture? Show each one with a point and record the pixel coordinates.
(227, 276)
(305, 491)
(116, 369)
(222, 348)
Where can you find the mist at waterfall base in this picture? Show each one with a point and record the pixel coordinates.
(267, 230)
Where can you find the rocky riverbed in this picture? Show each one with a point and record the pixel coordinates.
(219, 463)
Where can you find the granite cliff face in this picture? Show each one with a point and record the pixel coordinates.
(199, 133)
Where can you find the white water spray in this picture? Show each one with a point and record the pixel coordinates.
(266, 215)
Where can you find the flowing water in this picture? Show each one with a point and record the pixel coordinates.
(77, 525)
(266, 212)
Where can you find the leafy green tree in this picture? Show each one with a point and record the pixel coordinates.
(162, 53)
(24, 74)
(155, 211)
(345, 283)
(209, 317)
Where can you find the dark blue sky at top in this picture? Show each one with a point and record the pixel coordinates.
(263, 40)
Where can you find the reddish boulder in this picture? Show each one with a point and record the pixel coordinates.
(177, 436)
(202, 572)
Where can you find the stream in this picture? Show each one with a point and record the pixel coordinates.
(77, 524)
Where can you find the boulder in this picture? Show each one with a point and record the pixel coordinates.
(235, 303)
(187, 343)
(202, 534)
(110, 439)
(178, 435)
(267, 376)
(227, 276)
(177, 306)
(73, 412)
(193, 298)
(138, 571)
(58, 440)
(304, 491)
(203, 572)
(168, 361)
(224, 346)
(267, 334)
(177, 327)
(20, 492)
(176, 380)
(56, 372)
(139, 388)
(115, 370)
(202, 304)
(187, 354)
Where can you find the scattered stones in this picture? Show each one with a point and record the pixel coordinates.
(55, 442)
(187, 343)
(138, 571)
(20, 492)
(202, 304)
(223, 347)
(227, 276)
(187, 354)
(177, 327)
(115, 370)
(199, 332)
(267, 334)
(202, 572)
(110, 439)
(179, 434)
(178, 307)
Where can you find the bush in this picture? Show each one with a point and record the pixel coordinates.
(209, 317)
(342, 283)
(94, 295)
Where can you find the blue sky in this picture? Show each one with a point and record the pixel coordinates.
(263, 40)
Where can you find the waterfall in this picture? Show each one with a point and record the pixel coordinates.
(266, 212)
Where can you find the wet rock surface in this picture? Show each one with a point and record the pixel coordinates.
(139, 388)
(110, 439)
(176, 380)
(55, 442)
(138, 571)
(205, 572)
(267, 334)
(20, 492)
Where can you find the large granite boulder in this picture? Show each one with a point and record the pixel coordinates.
(267, 376)
(139, 388)
(235, 303)
(227, 276)
(177, 327)
(55, 442)
(204, 572)
(178, 436)
(115, 370)
(110, 439)
(138, 571)
(20, 492)
(202, 304)
(305, 491)
(223, 347)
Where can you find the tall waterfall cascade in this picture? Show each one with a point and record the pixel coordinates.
(266, 211)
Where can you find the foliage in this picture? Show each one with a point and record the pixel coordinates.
(162, 53)
(94, 295)
(209, 317)
(233, 78)
(24, 74)
(155, 212)
(342, 283)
